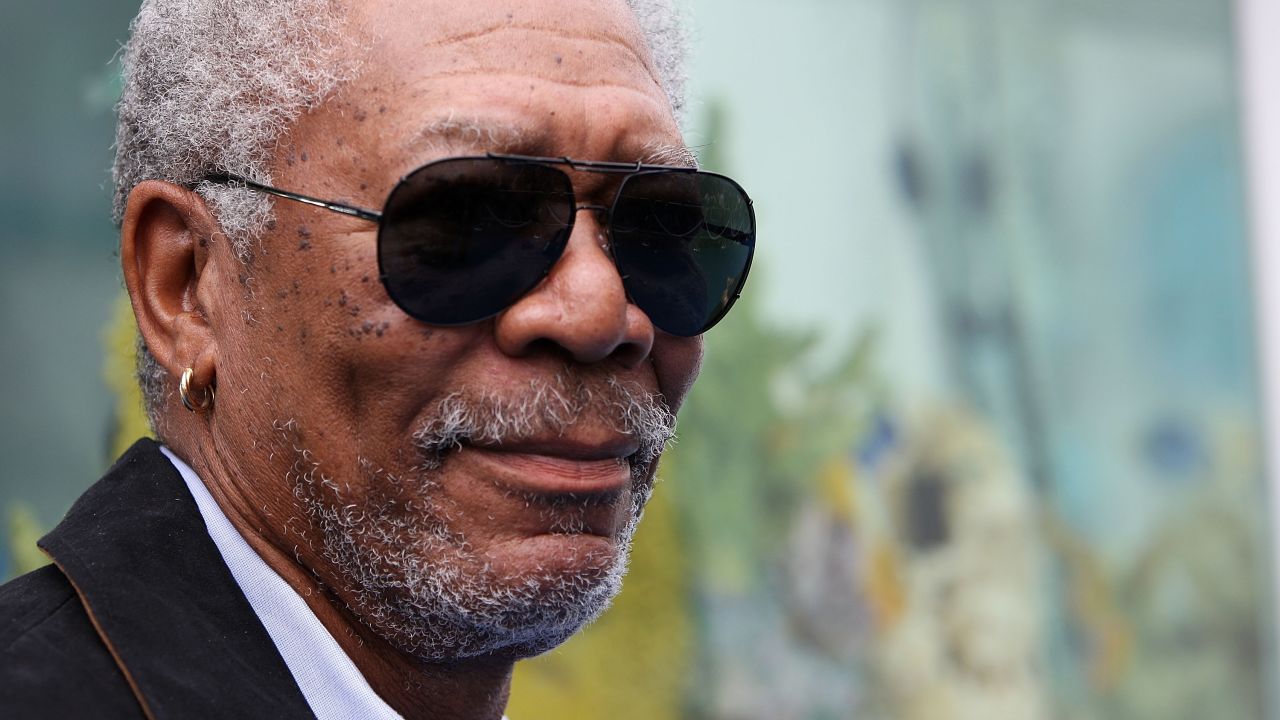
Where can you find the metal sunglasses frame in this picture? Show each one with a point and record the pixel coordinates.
(595, 166)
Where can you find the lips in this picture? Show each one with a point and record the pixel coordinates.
(558, 467)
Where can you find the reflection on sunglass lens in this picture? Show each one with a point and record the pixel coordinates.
(683, 243)
(463, 239)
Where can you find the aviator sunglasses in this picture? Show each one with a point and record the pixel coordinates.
(462, 239)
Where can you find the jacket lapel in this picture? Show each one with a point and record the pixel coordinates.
(136, 549)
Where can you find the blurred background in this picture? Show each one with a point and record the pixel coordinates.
(984, 438)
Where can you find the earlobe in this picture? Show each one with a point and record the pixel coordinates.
(163, 251)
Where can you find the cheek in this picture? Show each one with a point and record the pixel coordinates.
(676, 363)
(312, 289)
(280, 317)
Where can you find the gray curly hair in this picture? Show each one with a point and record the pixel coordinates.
(213, 84)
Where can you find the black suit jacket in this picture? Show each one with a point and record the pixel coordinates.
(138, 616)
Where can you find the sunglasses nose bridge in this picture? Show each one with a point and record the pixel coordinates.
(601, 213)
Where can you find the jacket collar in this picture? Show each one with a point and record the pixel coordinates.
(136, 549)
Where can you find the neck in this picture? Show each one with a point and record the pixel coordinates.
(472, 689)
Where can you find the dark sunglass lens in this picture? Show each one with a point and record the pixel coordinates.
(463, 239)
(683, 242)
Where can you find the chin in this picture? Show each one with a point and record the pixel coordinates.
(434, 596)
(516, 616)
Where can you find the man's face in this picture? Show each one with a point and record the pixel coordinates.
(462, 490)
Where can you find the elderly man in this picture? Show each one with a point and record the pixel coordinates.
(419, 286)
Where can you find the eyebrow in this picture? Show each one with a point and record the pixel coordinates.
(492, 135)
(667, 154)
(471, 132)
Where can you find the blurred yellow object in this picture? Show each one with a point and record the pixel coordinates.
(1091, 600)
(24, 531)
(886, 593)
(635, 662)
(130, 420)
(837, 489)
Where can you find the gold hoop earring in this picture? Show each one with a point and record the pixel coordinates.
(184, 392)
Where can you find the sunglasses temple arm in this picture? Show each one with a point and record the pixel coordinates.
(227, 179)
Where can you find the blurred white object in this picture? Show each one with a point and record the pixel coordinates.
(1259, 55)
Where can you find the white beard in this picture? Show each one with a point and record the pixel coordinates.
(421, 585)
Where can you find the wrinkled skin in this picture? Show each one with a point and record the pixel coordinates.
(313, 362)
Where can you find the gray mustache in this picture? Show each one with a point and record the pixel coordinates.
(548, 407)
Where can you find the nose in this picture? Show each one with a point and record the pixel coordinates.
(580, 308)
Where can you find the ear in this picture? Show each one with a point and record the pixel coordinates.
(164, 250)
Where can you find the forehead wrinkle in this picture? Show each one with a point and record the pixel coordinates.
(603, 38)
(505, 71)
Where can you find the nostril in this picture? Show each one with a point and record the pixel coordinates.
(630, 354)
(547, 347)
(637, 339)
